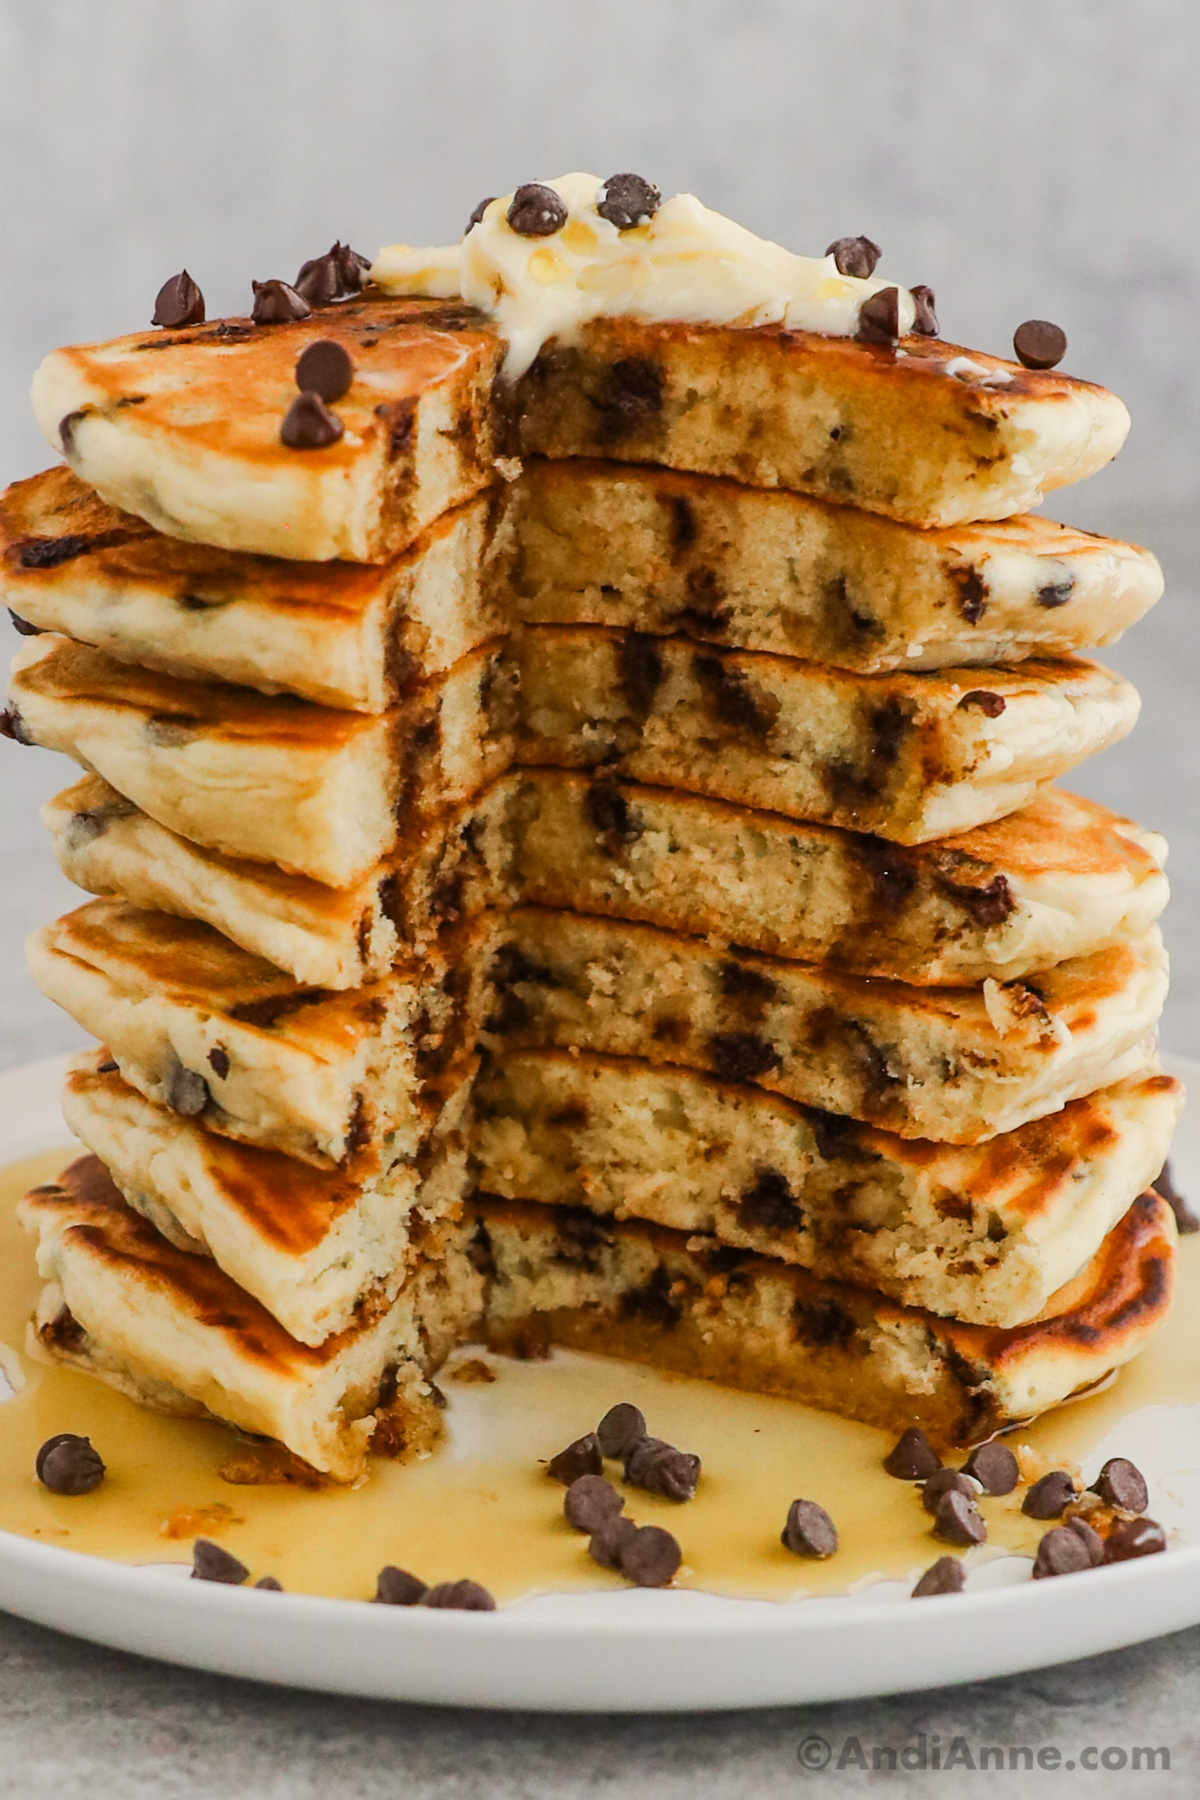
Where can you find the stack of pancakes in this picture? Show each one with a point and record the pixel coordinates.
(576, 863)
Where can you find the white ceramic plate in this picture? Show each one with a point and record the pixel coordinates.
(624, 1652)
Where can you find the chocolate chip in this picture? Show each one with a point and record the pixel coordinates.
(1056, 593)
(211, 1563)
(591, 1501)
(179, 302)
(67, 1464)
(187, 1092)
(649, 1556)
(267, 1584)
(352, 268)
(309, 425)
(809, 1530)
(1121, 1483)
(606, 1543)
(741, 1055)
(628, 200)
(958, 1520)
(879, 317)
(946, 1481)
(913, 1458)
(23, 626)
(1049, 1496)
(1164, 1186)
(580, 1458)
(854, 256)
(994, 1467)
(1061, 1552)
(459, 1596)
(992, 705)
(1039, 344)
(275, 303)
(1134, 1537)
(334, 276)
(990, 904)
(396, 1587)
(925, 317)
(661, 1469)
(536, 211)
(1091, 1540)
(621, 1426)
(945, 1576)
(476, 217)
(324, 368)
(218, 1061)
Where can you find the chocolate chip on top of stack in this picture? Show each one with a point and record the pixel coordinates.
(567, 795)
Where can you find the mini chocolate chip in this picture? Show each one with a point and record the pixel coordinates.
(1164, 1186)
(913, 1457)
(1134, 1537)
(536, 211)
(187, 1092)
(23, 625)
(476, 217)
(1091, 1540)
(1039, 344)
(580, 1458)
(179, 302)
(267, 1584)
(879, 317)
(218, 1061)
(605, 1543)
(1121, 1483)
(990, 704)
(628, 200)
(1056, 593)
(590, 1501)
(809, 1530)
(947, 1481)
(396, 1587)
(1061, 1552)
(621, 1426)
(67, 1464)
(275, 303)
(958, 1520)
(945, 1576)
(459, 1596)
(661, 1469)
(324, 368)
(994, 1467)
(854, 256)
(309, 425)
(649, 1556)
(211, 1563)
(1049, 1496)
(925, 320)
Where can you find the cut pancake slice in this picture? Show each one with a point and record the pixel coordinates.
(908, 757)
(183, 428)
(923, 431)
(637, 1291)
(341, 634)
(173, 1331)
(320, 1249)
(957, 1065)
(317, 791)
(199, 1026)
(984, 1234)
(774, 571)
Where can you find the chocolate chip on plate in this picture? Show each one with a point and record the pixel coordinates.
(211, 1563)
(68, 1464)
(994, 1467)
(580, 1458)
(476, 217)
(649, 1556)
(628, 200)
(945, 1576)
(1121, 1483)
(661, 1469)
(1134, 1537)
(179, 302)
(621, 1426)
(275, 303)
(459, 1596)
(925, 315)
(947, 1481)
(958, 1520)
(879, 317)
(1049, 1496)
(309, 425)
(1039, 344)
(854, 256)
(913, 1457)
(809, 1530)
(267, 1584)
(591, 1500)
(604, 1545)
(1061, 1552)
(324, 368)
(1164, 1187)
(536, 211)
(396, 1587)
(1091, 1540)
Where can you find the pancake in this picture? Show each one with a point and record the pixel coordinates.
(320, 1249)
(649, 1295)
(183, 428)
(199, 1026)
(958, 1065)
(173, 1331)
(908, 757)
(984, 1234)
(341, 634)
(1060, 878)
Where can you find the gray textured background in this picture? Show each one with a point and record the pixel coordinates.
(1035, 157)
